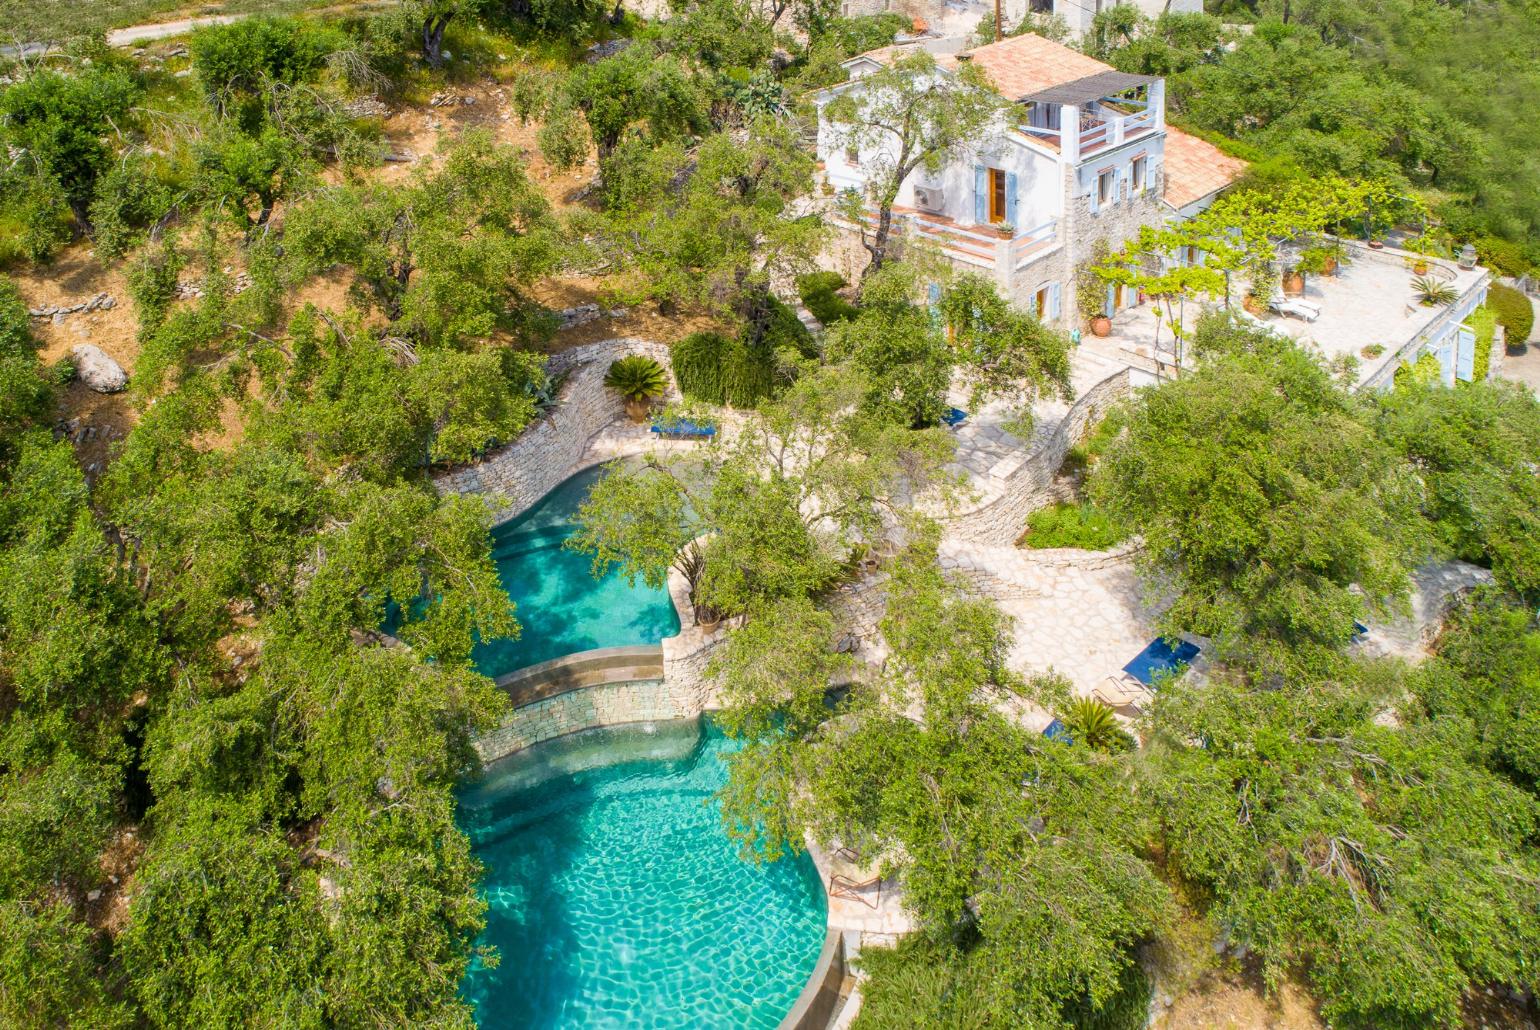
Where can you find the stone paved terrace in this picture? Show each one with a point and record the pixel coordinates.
(1368, 301)
(1084, 620)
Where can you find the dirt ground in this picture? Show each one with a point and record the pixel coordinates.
(1234, 1001)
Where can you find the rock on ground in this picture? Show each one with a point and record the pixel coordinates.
(97, 369)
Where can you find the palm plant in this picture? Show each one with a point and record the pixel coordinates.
(1092, 723)
(1433, 292)
(638, 379)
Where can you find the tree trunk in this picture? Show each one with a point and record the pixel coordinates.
(81, 209)
(878, 248)
(433, 38)
(619, 13)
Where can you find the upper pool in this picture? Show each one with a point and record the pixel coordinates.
(561, 608)
(616, 899)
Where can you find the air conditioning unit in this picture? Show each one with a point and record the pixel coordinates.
(929, 198)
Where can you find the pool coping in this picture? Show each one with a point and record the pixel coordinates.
(625, 663)
(820, 997)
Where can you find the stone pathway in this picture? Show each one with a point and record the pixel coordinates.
(1083, 623)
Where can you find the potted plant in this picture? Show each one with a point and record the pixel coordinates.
(1091, 292)
(1006, 230)
(1259, 288)
(1373, 350)
(1433, 292)
(1320, 260)
(638, 379)
(1101, 325)
(1294, 282)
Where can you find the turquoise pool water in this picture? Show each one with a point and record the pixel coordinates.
(561, 608)
(616, 899)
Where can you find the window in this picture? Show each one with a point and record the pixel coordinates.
(1104, 186)
(996, 195)
(1040, 303)
(1040, 6)
(852, 156)
(1136, 173)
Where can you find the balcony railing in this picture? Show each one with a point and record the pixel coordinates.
(1108, 132)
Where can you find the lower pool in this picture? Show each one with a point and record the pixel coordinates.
(561, 607)
(617, 900)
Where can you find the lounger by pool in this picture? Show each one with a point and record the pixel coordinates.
(1056, 730)
(1160, 658)
(683, 427)
(955, 417)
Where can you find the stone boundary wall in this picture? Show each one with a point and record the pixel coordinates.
(1031, 486)
(553, 447)
(1078, 558)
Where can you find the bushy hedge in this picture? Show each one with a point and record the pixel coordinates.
(717, 369)
(1513, 311)
(786, 331)
(1073, 525)
(817, 290)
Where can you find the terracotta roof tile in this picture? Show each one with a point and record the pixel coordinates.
(1021, 65)
(1195, 168)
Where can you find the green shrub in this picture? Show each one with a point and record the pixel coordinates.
(1484, 321)
(1084, 454)
(34, 218)
(152, 280)
(786, 331)
(1504, 256)
(129, 198)
(1073, 525)
(15, 326)
(817, 290)
(715, 369)
(1514, 312)
(242, 58)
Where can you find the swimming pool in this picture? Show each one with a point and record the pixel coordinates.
(616, 898)
(561, 608)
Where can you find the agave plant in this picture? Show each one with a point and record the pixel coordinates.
(1092, 723)
(1433, 292)
(638, 379)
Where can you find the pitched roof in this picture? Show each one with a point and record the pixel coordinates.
(1195, 168)
(1019, 66)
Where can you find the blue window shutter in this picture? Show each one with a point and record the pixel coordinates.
(933, 303)
(1465, 356)
(980, 194)
(1124, 192)
(1053, 301)
(1010, 199)
(1096, 185)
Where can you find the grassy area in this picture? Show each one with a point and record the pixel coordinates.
(51, 20)
(1067, 524)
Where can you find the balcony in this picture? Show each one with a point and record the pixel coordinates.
(1097, 133)
(980, 246)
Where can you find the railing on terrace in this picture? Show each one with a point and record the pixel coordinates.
(1027, 246)
(1113, 131)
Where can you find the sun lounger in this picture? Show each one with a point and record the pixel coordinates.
(683, 428)
(1122, 691)
(1296, 308)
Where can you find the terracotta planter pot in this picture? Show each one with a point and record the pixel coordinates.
(1420, 268)
(637, 408)
(1004, 233)
(1251, 304)
(1331, 266)
(1376, 245)
(1294, 285)
(1101, 325)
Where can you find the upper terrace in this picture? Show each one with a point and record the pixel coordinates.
(1073, 103)
(1368, 310)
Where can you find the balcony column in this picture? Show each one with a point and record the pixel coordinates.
(1158, 102)
(1069, 134)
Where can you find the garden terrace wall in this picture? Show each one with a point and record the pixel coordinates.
(555, 445)
(1031, 486)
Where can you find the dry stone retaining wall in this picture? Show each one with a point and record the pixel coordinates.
(1031, 486)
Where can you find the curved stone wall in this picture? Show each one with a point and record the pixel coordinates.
(557, 445)
(1031, 486)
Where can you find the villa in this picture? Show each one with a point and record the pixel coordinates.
(1082, 163)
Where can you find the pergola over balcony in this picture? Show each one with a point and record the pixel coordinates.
(1106, 110)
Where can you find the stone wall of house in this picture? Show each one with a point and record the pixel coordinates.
(1083, 233)
(1031, 486)
(554, 446)
(608, 704)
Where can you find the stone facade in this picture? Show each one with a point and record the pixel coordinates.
(1084, 233)
(608, 704)
(1031, 486)
(557, 444)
